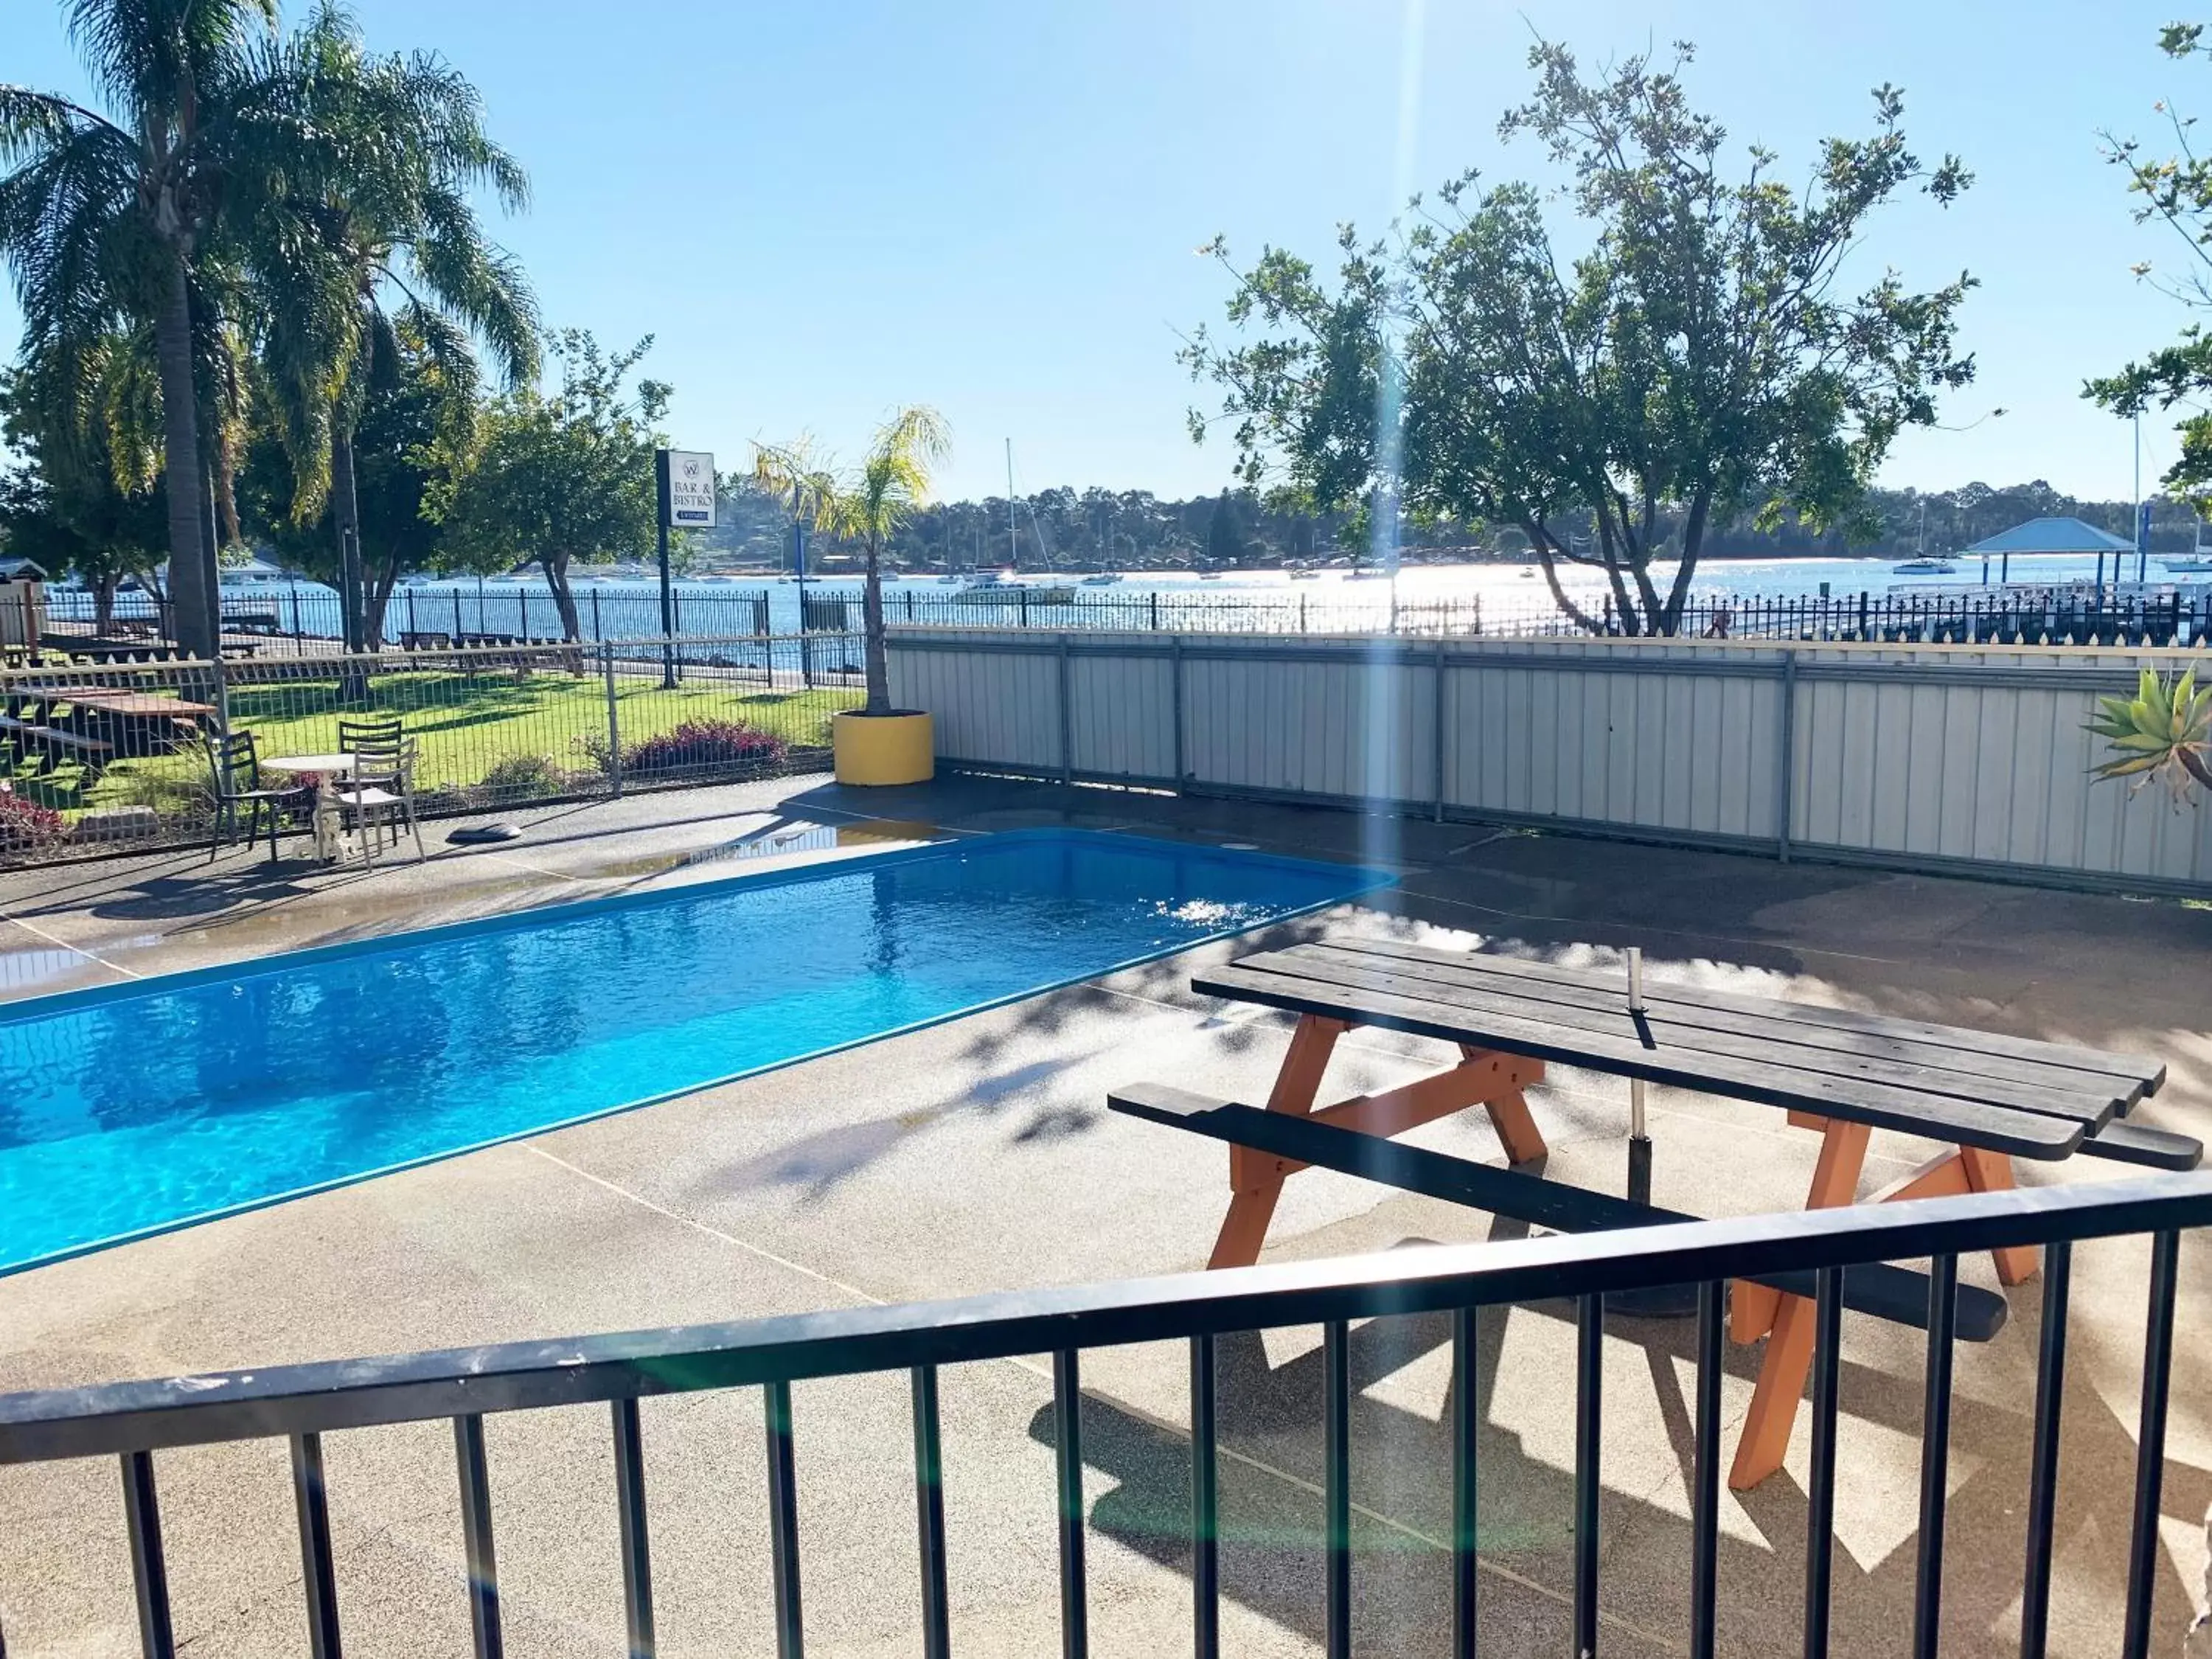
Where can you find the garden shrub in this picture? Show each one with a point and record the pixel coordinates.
(26, 826)
(705, 744)
(525, 774)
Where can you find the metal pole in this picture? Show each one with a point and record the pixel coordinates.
(2142, 531)
(667, 591)
(1639, 1142)
(614, 721)
(798, 562)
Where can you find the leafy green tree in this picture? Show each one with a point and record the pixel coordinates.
(387, 212)
(553, 477)
(866, 503)
(2176, 190)
(410, 414)
(1705, 354)
(131, 217)
(1224, 533)
(85, 498)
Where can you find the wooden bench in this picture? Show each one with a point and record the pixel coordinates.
(52, 743)
(1892, 1293)
(1987, 1097)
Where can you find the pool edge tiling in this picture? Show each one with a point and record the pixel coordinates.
(919, 947)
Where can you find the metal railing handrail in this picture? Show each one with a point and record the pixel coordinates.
(315, 1398)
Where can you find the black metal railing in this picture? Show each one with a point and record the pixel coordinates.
(133, 1421)
(277, 619)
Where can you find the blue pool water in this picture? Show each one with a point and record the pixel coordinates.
(128, 1109)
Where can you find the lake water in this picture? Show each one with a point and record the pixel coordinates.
(629, 608)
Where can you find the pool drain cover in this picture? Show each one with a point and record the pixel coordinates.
(477, 834)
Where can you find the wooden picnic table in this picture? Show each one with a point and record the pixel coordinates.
(132, 723)
(142, 704)
(1987, 1098)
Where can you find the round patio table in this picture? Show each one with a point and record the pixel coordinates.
(324, 822)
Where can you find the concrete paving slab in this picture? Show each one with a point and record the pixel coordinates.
(977, 1154)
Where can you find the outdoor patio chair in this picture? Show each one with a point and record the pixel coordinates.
(383, 728)
(235, 769)
(379, 792)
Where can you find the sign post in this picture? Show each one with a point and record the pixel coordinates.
(683, 481)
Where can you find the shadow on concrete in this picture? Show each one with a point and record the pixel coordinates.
(1271, 1468)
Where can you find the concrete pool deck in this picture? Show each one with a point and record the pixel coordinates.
(978, 1156)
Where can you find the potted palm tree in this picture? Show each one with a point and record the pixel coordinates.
(875, 743)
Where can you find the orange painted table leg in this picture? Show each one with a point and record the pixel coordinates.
(1252, 1202)
(1789, 1359)
(1492, 1081)
(1787, 1321)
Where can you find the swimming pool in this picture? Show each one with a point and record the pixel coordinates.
(128, 1109)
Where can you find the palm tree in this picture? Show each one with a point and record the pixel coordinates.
(108, 218)
(867, 504)
(386, 212)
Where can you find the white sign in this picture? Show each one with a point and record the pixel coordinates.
(691, 489)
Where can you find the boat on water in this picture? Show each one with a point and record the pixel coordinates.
(1209, 575)
(950, 578)
(1923, 568)
(1301, 574)
(1102, 579)
(2190, 564)
(1004, 593)
(1365, 573)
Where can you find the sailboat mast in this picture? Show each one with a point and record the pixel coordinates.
(1013, 543)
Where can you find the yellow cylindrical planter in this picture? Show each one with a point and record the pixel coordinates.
(877, 749)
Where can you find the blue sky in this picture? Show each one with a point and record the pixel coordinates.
(820, 209)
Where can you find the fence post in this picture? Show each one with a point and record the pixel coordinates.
(614, 721)
(457, 615)
(597, 632)
(1066, 718)
(1025, 607)
(222, 697)
(1437, 719)
(1156, 609)
(1784, 795)
(1175, 657)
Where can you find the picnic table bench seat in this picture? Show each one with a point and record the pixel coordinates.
(51, 742)
(1985, 1097)
(1896, 1294)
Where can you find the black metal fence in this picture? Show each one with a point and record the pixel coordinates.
(132, 1422)
(281, 618)
(97, 757)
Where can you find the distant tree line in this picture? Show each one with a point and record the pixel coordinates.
(1134, 530)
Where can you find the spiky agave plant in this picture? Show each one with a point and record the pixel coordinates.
(2164, 733)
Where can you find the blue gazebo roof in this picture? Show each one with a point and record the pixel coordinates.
(2053, 536)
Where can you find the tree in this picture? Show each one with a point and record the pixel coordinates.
(1224, 533)
(386, 212)
(86, 498)
(2175, 192)
(409, 412)
(553, 477)
(1703, 353)
(125, 218)
(866, 504)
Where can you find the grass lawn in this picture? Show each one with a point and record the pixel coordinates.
(467, 724)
